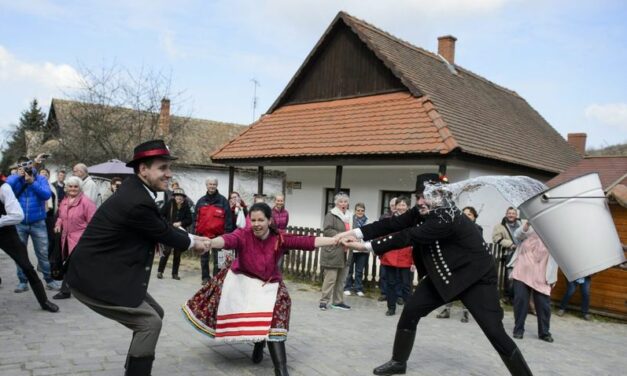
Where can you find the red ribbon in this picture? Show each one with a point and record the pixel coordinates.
(151, 153)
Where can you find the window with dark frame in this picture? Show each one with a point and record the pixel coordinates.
(386, 196)
(330, 193)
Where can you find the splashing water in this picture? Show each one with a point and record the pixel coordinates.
(514, 189)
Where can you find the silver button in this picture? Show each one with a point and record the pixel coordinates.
(446, 282)
(449, 273)
(147, 268)
(144, 284)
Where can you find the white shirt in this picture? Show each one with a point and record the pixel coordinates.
(90, 189)
(14, 211)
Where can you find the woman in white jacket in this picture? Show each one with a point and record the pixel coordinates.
(534, 269)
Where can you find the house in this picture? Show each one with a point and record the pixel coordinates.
(191, 140)
(608, 289)
(366, 112)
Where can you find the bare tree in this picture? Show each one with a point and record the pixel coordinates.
(113, 110)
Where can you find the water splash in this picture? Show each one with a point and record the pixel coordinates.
(514, 189)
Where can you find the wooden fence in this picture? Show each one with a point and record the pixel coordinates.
(305, 265)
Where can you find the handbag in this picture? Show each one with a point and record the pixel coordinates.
(57, 266)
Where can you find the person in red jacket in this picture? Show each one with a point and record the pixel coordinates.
(398, 265)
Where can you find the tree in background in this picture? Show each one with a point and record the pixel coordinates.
(112, 110)
(32, 119)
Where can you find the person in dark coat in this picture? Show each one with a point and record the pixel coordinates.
(178, 213)
(109, 269)
(453, 258)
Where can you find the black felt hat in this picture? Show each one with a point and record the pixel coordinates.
(150, 149)
(425, 178)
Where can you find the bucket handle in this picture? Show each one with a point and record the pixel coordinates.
(546, 197)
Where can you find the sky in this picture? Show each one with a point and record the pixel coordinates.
(566, 58)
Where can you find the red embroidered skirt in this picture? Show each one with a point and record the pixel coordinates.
(202, 309)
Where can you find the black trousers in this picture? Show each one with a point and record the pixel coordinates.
(521, 308)
(176, 259)
(481, 299)
(204, 264)
(11, 244)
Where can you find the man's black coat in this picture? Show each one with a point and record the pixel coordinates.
(113, 258)
(448, 248)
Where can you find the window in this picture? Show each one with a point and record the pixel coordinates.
(386, 196)
(330, 192)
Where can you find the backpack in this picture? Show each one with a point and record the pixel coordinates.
(210, 221)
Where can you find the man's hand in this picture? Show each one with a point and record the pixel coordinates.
(353, 244)
(57, 229)
(29, 178)
(345, 234)
(202, 245)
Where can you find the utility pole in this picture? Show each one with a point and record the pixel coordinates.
(255, 84)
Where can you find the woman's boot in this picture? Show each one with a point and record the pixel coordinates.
(279, 359)
(403, 344)
(258, 352)
(516, 364)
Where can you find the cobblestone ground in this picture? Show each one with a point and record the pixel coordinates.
(76, 341)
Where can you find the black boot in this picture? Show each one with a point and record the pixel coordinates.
(516, 364)
(139, 366)
(40, 294)
(277, 353)
(258, 352)
(403, 344)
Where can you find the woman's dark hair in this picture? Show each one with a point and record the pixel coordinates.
(405, 199)
(472, 210)
(267, 212)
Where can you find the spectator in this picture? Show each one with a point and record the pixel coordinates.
(88, 185)
(584, 288)
(75, 213)
(258, 198)
(239, 210)
(333, 258)
(52, 204)
(397, 264)
(114, 184)
(178, 213)
(280, 216)
(11, 214)
(32, 191)
(503, 235)
(213, 218)
(471, 213)
(59, 185)
(358, 260)
(534, 269)
(382, 285)
(253, 274)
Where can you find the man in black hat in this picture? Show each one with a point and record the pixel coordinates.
(454, 263)
(109, 269)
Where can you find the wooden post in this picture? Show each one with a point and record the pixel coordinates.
(338, 179)
(231, 179)
(260, 180)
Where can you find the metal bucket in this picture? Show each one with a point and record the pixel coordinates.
(576, 226)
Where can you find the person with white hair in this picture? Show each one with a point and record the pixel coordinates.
(333, 258)
(212, 217)
(88, 185)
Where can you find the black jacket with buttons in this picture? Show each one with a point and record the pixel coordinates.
(113, 259)
(448, 248)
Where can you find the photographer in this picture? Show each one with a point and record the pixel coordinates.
(32, 191)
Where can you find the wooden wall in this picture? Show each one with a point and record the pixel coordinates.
(342, 67)
(608, 289)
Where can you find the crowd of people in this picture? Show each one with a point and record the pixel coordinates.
(112, 239)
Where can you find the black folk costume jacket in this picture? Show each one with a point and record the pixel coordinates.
(113, 258)
(447, 247)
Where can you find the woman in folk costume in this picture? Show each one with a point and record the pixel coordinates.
(248, 301)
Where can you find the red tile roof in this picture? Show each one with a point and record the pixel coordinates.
(395, 123)
(611, 169)
(479, 117)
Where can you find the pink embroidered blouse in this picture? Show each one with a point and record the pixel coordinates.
(259, 258)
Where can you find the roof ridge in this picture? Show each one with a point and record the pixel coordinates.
(426, 52)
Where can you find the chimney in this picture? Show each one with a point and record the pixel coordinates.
(446, 48)
(164, 117)
(578, 142)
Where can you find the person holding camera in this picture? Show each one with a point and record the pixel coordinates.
(32, 191)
